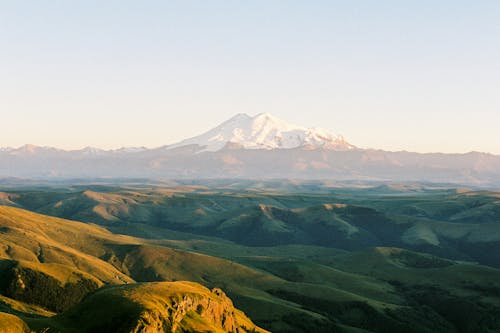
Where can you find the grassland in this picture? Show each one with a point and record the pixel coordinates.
(378, 260)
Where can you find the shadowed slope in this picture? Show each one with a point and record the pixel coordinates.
(289, 289)
(153, 307)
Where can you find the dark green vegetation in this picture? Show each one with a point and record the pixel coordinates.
(294, 257)
(55, 264)
(34, 286)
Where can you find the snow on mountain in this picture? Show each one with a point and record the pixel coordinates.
(90, 151)
(30, 149)
(127, 150)
(264, 131)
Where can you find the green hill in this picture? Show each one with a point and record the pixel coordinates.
(151, 307)
(345, 262)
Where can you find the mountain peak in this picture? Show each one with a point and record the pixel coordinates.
(29, 149)
(264, 131)
(265, 115)
(238, 117)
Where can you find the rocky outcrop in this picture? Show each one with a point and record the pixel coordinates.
(155, 308)
(177, 315)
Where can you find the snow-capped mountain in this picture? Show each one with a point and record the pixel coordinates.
(127, 150)
(259, 147)
(30, 149)
(90, 151)
(264, 131)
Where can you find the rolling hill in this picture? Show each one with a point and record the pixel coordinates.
(460, 226)
(151, 307)
(335, 273)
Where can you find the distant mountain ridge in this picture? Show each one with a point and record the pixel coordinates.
(33, 149)
(262, 146)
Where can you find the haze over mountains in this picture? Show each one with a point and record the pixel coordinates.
(262, 146)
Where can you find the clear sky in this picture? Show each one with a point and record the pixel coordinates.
(415, 75)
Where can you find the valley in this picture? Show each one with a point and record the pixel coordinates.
(292, 256)
(250, 167)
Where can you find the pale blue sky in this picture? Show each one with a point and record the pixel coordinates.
(415, 75)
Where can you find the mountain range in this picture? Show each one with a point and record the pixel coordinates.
(261, 147)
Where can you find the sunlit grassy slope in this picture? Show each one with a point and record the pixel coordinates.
(39, 266)
(325, 263)
(152, 307)
(457, 224)
(12, 324)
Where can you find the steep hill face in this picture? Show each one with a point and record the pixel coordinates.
(154, 307)
(12, 324)
(51, 286)
(49, 263)
(52, 266)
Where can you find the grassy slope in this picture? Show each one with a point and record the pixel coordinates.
(12, 324)
(67, 265)
(31, 237)
(285, 275)
(174, 306)
(142, 261)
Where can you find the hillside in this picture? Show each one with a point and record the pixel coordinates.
(337, 273)
(55, 263)
(152, 307)
(454, 225)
